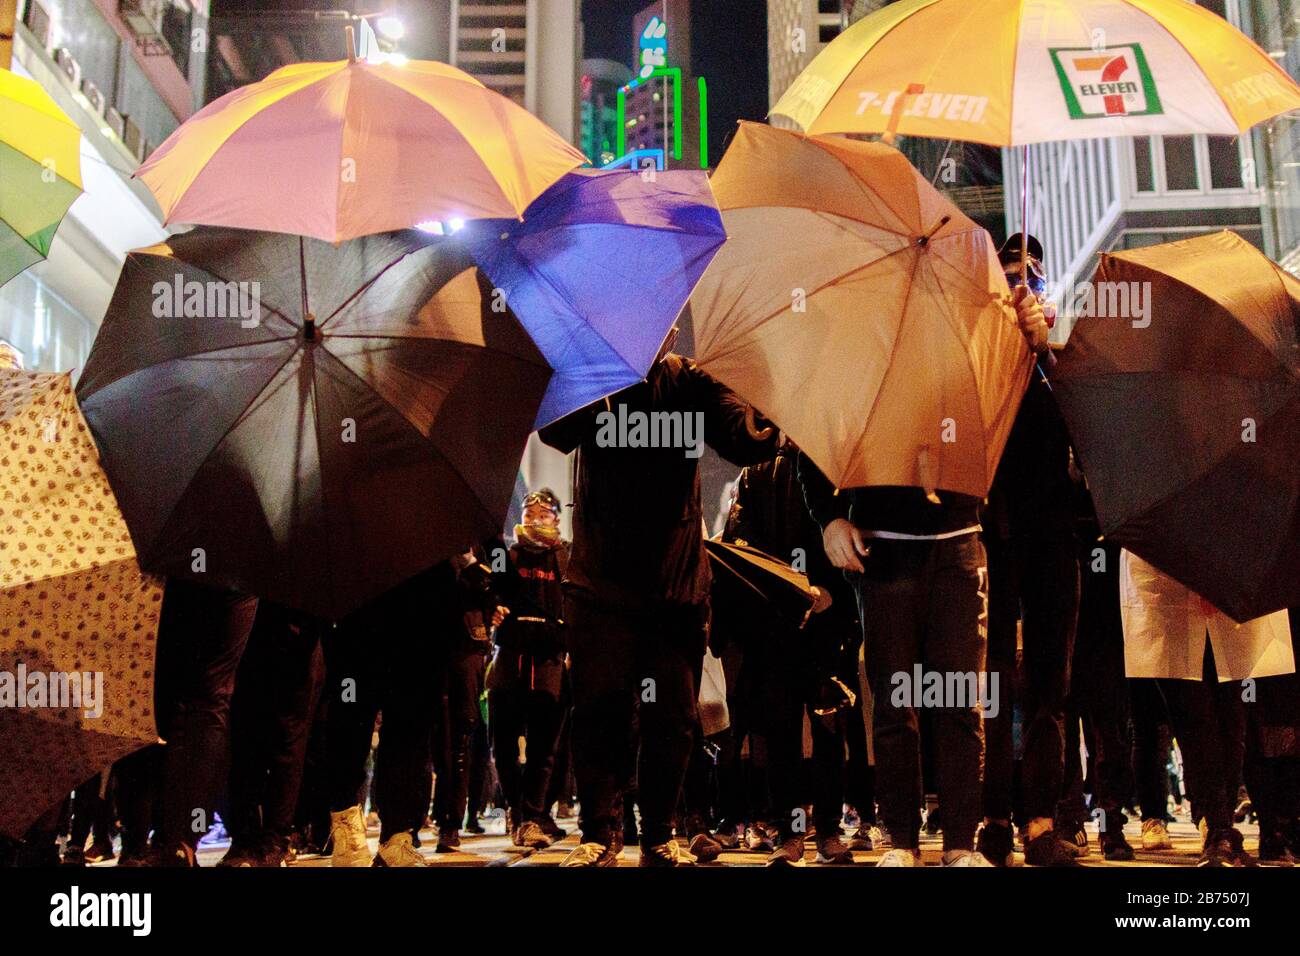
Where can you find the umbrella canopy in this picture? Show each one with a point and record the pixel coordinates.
(1187, 421)
(365, 423)
(349, 148)
(598, 271)
(1014, 72)
(40, 172)
(862, 312)
(73, 604)
(753, 591)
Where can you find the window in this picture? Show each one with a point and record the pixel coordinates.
(1225, 162)
(1180, 163)
(1146, 176)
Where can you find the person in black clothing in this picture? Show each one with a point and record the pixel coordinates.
(276, 692)
(921, 575)
(637, 590)
(526, 677)
(1033, 578)
(788, 667)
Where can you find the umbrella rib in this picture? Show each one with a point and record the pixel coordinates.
(408, 338)
(221, 278)
(361, 290)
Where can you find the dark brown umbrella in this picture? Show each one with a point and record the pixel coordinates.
(1187, 420)
(355, 417)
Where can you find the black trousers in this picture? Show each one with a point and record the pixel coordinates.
(92, 810)
(201, 637)
(925, 603)
(517, 709)
(1034, 581)
(1209, 720)
(1151, 745)
(633, 664)
(370, 668)
(279, 683)
(456, 688)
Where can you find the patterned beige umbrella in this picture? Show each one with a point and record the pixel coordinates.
(78, 620)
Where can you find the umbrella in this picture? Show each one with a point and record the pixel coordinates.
(752, 592)
(598, 271)
(1187, 421)
(72, 602)
(861, 311)
(307, 422)
(40, 172)
(349, 148)
(1015, 72)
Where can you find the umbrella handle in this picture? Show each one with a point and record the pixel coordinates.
(896, 114)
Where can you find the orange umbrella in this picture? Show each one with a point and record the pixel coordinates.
(862, 312)
(350, 148)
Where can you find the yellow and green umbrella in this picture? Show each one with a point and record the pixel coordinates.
(40, 172)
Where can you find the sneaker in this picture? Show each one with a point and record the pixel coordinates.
(1076, 842)
(591, 854)
(789, 852)
(348, 832)
(861, 839)
(276, 851)
(965, 858)
(449, 840)
(705, 848)
(996, 843)
(74, 856)
(1048, 849)
(1155, 835)
(666, 854)
(882, 838)
(1115, 846)
(530, 835)
(1218, 850)
(398, 850)
(101, 851)
(729, 835)
(832, 850)
(900, 857)
(758, 839)
(1274, 848)
(241, 855)
(1239, 848)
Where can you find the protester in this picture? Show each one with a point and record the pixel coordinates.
(637, 597)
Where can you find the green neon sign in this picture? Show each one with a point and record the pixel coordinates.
(675, 74)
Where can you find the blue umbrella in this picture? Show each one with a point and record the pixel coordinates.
(597, 272)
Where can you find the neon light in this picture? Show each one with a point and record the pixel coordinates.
(630, 159)
(704, 123)
(622, 105)
(675, 74)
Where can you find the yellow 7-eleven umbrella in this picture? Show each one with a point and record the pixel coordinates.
(1016, 72)
(40, 172)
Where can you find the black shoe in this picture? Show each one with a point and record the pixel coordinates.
(997, 843)
(551, 828)
(1239, 853)
(1274, 848)
(241, 854)
(448, 841)
(1114, 846)
(704, 848)
(788, 852)
(74, 856)
(101, 851)
(1046, 849)
(1218, 850)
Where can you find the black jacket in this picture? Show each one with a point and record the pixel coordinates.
(637, 520)
(531, 589)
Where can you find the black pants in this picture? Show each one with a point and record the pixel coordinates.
(1034, 581)
(925, 602)
(517, 708)
(92, 810)
(456, 690)
(1098, 697)
(626, 664)
(1209, 720)
(1151, 745)
(276, 692)
(201, 637)
(370, 668)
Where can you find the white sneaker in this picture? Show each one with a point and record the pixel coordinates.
(965, 858)
(348, 831)
(398, 850)
(1155, 835)
(900, 858)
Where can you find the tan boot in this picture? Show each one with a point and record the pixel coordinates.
(348, 830)
(398, 850)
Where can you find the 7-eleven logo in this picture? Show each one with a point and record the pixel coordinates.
(1112, 82)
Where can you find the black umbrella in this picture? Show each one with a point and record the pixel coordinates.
(754, 593)
(1187, 419)
(308, 422)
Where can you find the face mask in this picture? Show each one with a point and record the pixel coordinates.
(538, 536)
